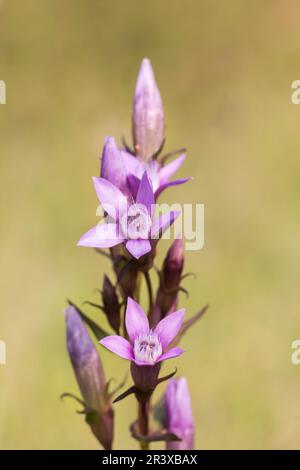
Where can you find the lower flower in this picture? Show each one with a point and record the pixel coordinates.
(146, 348)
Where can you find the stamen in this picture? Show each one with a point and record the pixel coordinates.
(136, 223)
(147, 348)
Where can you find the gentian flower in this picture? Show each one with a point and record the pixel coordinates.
(179, 414)
(130, 223)
(90, 376)
(146, 348)
(148, 114)
(125, 171)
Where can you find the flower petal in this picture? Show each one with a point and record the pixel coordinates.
(133, 183)
(168, 327)
(174, 352)
(113, 166)
(164, 186)
(163, 222)
(168, 170)
(135, 319)
(132, 164)
(138, 248)
(118, 345)
(101, 236)
(112, 199)
(145, 194)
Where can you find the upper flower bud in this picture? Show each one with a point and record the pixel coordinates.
(179, 414)
(90, 377)
(148, 114)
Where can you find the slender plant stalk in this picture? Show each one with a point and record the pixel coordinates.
(150, 292)
(143, 420)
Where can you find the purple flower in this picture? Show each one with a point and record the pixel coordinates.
(148, 114)
(146, 347)
(130, 223)
(179, 414)
(125, 171)
(90, 377)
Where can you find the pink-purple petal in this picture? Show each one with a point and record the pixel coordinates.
(136, 320)
(118, 345)
(167, 171)
(168, 327)
(138, 248)
(145, 194)
(112, 199)
(133, 183)
(174, 352)
(113, 166)
(164, 186)
(101, 236)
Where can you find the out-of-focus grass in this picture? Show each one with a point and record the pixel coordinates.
(225, 71)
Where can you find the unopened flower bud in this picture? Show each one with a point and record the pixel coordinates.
(148, 114)
(179, 414)
(111, 304)
(89, 373)
(170, 277)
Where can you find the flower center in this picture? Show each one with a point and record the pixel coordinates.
(136, 223)
(147, 348)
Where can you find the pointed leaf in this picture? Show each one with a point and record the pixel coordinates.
(187, 324)
(125, 394)
(96, 329)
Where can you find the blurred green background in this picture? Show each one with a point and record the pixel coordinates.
(225, 70)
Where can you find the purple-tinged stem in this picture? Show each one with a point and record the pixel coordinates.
(143, 420)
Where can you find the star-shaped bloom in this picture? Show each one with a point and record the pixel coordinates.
(146, 347)
(130, 221)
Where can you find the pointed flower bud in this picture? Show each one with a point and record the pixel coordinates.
(173, 264)
(148, 114)
(111, 304)
(90, 377)
(170, 277)
(179, 414)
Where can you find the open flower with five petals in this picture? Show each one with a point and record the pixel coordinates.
(129, 221)
(146, 347)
